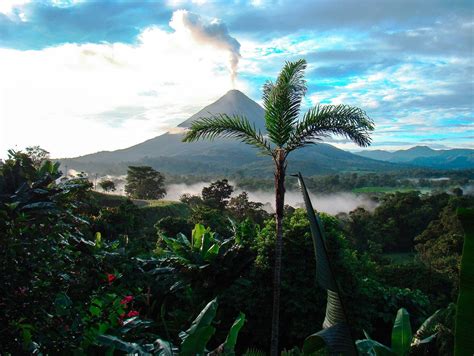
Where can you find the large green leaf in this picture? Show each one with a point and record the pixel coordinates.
(334, 311)
(336, 334)
(212, 252)
(231, 339)
(194, 339)
(463, 339)
(337, 339)
(426, 332)
(206, 243)
(323, 270)
(163, 348)
(197, 234)
(373, 348)
(401, 333)
(118, 344)
(195, 343)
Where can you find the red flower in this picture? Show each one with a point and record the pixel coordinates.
(126, 299)
(132, 313)
(111, 277)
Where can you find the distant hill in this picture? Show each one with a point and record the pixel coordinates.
(223, 156)
(423, 156)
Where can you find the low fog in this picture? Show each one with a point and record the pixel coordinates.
(330, 203)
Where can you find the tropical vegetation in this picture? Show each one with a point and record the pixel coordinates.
(285, 133)
(83, 271)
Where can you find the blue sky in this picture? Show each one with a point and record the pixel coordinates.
(84, 76)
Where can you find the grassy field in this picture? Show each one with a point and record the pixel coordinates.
(387, 190)
(400, 258)
(151, 210)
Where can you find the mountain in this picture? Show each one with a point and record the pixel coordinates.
(423, 156)
(233, 103)
(169, 154)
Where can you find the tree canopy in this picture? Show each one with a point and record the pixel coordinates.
(143, 182)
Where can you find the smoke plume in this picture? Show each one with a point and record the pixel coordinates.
(214, 33)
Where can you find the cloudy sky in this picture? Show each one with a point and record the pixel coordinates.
(78, 77)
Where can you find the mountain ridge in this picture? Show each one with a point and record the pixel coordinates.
(424, 156)
(169, 154)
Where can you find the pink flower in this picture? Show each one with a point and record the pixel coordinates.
(132, 313)
(126, 299)
(111, 277)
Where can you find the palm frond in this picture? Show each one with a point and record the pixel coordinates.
(324, 120)
(223, 125)
(282, 101)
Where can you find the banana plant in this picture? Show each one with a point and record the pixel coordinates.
(203, 248)
(193, 340)
(463, 340)
(403, 340)
(335, 335)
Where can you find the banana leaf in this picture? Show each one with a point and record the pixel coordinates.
(194, 339)
(197, 233)
(231, 340)
(336, 334)
(463, 339)
(401, 333)
(426, 332)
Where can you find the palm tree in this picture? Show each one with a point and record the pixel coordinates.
(285, 133)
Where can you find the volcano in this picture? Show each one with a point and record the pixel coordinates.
(167, 153)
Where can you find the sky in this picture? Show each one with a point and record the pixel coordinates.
(78, 77)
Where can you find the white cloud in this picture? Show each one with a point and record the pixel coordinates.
(81, 87)
(8, 6)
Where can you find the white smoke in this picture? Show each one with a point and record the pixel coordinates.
(214, 33)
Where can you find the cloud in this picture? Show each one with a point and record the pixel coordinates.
(52, 23)
(119, 68)
(213, 33)
(326, 15)
(74, 99)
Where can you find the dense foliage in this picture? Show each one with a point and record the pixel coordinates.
(85, 272)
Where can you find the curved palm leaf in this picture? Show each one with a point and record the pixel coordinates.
(323, 120)
(223, 125)
(336, 334)
(334, 338)
(282, 101)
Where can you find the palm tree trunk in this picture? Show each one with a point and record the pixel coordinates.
(279, 205)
